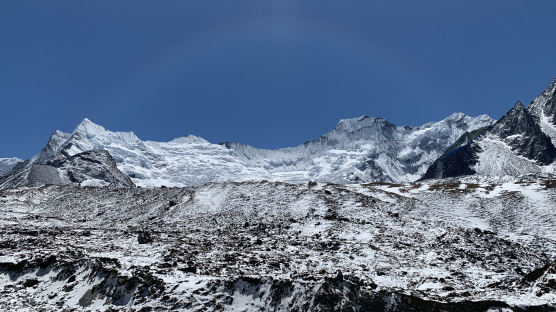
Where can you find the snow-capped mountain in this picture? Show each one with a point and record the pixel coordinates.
(7, 164)
(357, 150)
(520, 143)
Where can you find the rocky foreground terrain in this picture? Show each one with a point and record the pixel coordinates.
(439, 245)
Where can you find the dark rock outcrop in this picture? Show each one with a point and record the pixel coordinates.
(523, 134)
(545, 104)
(97, 165)
(520, 129)
(59, 169)
(459, 159)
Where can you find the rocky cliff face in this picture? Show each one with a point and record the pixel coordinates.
(543, 109)
(519, 130)
(87, 168)
(458, 160)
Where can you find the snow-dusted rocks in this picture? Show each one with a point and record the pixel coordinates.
(86, 169)
(358, 150)
(255, 246)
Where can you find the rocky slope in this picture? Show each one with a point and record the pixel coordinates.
(448, 246)
(520, 143)
(357, 150)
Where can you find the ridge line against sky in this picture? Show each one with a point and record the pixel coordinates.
(265, 73)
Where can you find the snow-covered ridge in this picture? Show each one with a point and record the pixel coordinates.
(6, 165)
(357, 149)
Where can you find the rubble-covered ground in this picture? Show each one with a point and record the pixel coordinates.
(258, 246)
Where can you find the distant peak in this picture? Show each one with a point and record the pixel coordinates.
(86, 126)
(363, 118)
(456, 116)
(10, 160)
(461, 119)
(190, 139)
(87, 122)
(516, 121)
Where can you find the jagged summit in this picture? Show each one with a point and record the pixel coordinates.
(79, 158)
(520, 143)
(91, 130)
(523, 134)
(543, 109)
(549, 91)
(545, 103)
(56, 140)
(515, 122)
(86, 126)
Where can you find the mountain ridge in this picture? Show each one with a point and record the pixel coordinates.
(361, 149)
(7, 164)
(519, 143)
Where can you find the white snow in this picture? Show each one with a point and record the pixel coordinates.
(6, 165)
(498, 160)
(358, 149)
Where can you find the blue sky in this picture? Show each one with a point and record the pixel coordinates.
(266, 73)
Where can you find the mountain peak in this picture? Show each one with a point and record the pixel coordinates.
(551, 88)
(519, 130)
(516, 121)
(90, 130)
(462, 120)
(518, 106)
(456, 116)
(189, 139)
(543, 109)
(86, 126)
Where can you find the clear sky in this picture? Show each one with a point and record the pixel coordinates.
(270, 73)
